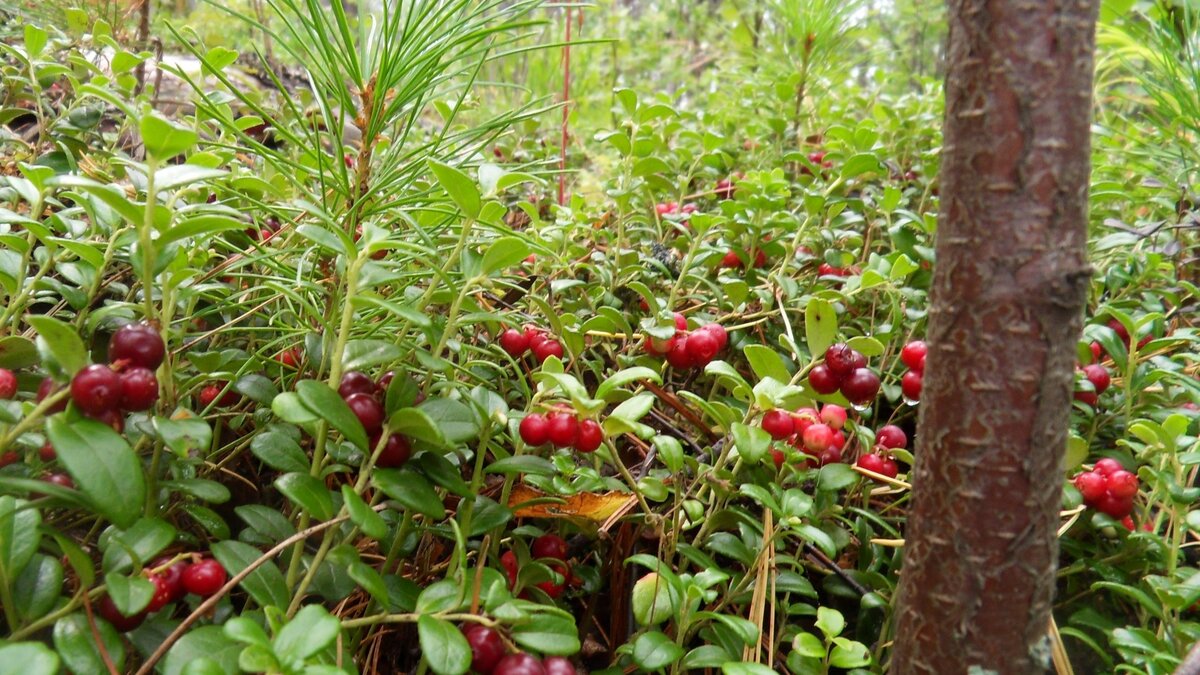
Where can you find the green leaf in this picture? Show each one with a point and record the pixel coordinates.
(670, 451)
(308, 493)
(278, 451)
(35, 41)
(414, 423)
(183, 435)
(518, 464)
(654, 651)
(459, 186)
(745, 668)
(326, 404)
(836, 476)
(766, 362)
(370, 522)
(74, 642)
(849, 654)
(322, 237)
(28, 658)
(38, 587)
(102, 465)
(830, 622)
(860, 164)
(550, 634)
(246, 631)
(208, 223)
(820, 326)
(752, 442)
(19, 535)
(457, 421)
(624, 377)
(205, 490)
(311, 630)
(410, 489)
(164, 139)
(443, 646)
(178, 175)
(203, 643)
(59, 342)
(364, 354)
(809, 645)
(265, 584)
(129, 594)
(707, 656)
(17, 352)
(504, 253)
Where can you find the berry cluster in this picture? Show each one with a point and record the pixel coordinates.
(563, 430)
(517, 342)
(913, 356)
(127, 384)
(734, 260)
(845, 369)
(365, 398)
(1099, 378)
(547, 546)
(673, 208)
(689, 349)
(888, 437)
(1108, 488)
(827, 270)
(488, 656)
(173, 581)
(817, 434)
(817, 159)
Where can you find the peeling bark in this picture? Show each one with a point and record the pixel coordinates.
(1009, 290)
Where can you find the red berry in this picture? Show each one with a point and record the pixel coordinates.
(107, 609)
(395, 452)
(1097, 350)
(137, 344)
(829, 456)
(558, 665)
(839, 439)
(779, 424)
(778, 457)
(702, 347)
(1107, 465)
(725, 188)
(368, 410)
(553, 588)
(8, 384)
(172, 576)
(546, 349)
(9, 457)
(680, 357)
(1127, 521)
(658, 346)
(139, 388)
(731, 259)
(827, 270)
(59, 479)
(1098, 376)
(663, 208)
(535, 429)
(590, 436)
(1112, 505)
(889, 468)
(519, 664)
(804, 418)
(549, 546)
(355, 382)
(913, 355)
(818, 437)
(760, 258)
(204, 578)
(823, 380)
(911, 384)
(841, 359)
(861, 386)
(833, 415)
(1119, 329)
(1087, 398)
(1091, 485)
(212, 393)
(96, 389)
(162, 593)
(1121, 484)
(563, 429)
(209, 394)
(891, 437)
(46, 388)
(47, 453)
(486, 648)
(870, 463)
(112, 418)
(385, 381)
(680, 322)
(508, 560)
(717, 331)
(514, 342)
(290, 358)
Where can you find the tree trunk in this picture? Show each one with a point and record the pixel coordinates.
(1009, 290)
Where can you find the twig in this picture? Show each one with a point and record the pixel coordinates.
(828, 564)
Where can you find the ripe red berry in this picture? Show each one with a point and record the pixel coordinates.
(590, 436)
(833, 415)
(891, 437)
(829, 455)
(368, 410)
(760, 258)
(823, 380)
(725, 188)
(680, 322)
(778, 457)
(913, 355)
(1112, 505)
(46, 453)
(870, 463)
(107, 609)
(1119, 329)
(546, 349)
(839, 439)
(779, 424)
(355, 382)
(549, 546)
(563, 428)
(910, 385)
(209, 394)
(395, 452)
(139, 388)
(385, 381)
(731, 259)
(137, 344)
(8, 384)
(1087, 397)
(173, 576)
(558, 665)
(701, 347)
(658, 346)
(1096, 350)
(861, 386)
(204, 578)
(1098, 376)
(486, 648)
(514, 342)
(508, 560)
(162, 593)
(818, 437)
(889, 468)
(1121, 484)
(842, 359)
(553, 588)
(535, 429)
(1107, 465)
(96, 389)
(680, 357)
(519, 664)
(1091, 485)
(47, 387)
(59, 479)
(717, 331)
(9, 457)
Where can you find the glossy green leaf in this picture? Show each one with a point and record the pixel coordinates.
(265, 584)
(443, 646)
(459, 186)
(60, 343)
(370, 522)
(326, 404)
(311, 630)
(203, 642)
(28, 658)
(102, 465)
(164, 139)
(74, 642)
(820, 326)
(412, 490)
(654, 651)
(505, 252)
(308, 493)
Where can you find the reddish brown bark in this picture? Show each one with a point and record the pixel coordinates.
(1006, 311)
